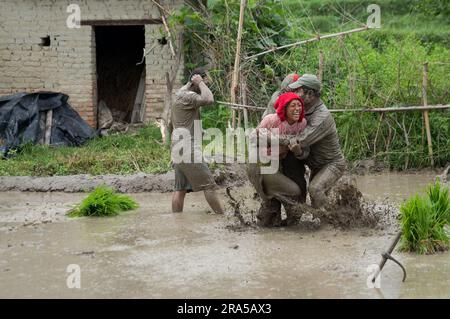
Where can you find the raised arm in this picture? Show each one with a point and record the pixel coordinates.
(206, 97)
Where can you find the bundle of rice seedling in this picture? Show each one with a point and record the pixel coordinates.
(103, 201)
(424, 221)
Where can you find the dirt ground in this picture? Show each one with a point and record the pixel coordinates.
(152, 253)
(136, 183)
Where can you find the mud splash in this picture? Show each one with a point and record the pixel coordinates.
(346, 209)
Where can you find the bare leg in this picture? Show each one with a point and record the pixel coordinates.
(213, 201)
(178, 201)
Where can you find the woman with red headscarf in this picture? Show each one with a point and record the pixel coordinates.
(280, 187)
(284, 87)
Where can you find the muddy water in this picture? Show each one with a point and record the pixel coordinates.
(152, 253)
(393, 186)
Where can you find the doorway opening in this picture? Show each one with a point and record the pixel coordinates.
(118, 50)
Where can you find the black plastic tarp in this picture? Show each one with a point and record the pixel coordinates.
(20, 120)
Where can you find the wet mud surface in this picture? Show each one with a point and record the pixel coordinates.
(136, 183)
(152, 253)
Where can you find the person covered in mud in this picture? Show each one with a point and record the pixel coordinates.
(192, 175)
(325, 159)
(284, 87)
(293, 167)
(276, 189)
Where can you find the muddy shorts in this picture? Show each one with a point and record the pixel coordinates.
(193, 177)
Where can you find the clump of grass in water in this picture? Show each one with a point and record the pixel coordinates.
(423, 221)
(103, 201)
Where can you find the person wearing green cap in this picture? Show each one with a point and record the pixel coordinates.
(325, 160)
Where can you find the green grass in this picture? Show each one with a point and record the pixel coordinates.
(428, 20)
(423, 221)
(116, 154)
(103, 201)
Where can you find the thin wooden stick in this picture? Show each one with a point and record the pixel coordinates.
(161, 7)
(244, 100)
(166, 26)
(351, 83)
(241, 106)
(425, 113)
(317, 38)
(320, 75)
(376, 135)
(237, 59)
(48, 127)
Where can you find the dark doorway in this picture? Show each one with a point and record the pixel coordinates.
(119, 49)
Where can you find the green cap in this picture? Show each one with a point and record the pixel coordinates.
(309, 80)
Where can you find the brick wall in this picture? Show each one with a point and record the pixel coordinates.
(68, 65)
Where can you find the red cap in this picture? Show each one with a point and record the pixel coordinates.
(284, 100)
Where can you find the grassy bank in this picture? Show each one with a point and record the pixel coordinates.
(117, 154)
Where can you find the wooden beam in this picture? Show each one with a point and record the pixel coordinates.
(120, 22)
(317, 38)
(139, 106)
(373, 110)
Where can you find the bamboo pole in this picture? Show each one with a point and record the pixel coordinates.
(351, 84)
(244, 100)
(237, 59)
(373, 110)
(241, 106)
(48, 127)
(425, 112)
(317, 38)
(395, 109)
(166, 26)
(161, 7)
(320, 75)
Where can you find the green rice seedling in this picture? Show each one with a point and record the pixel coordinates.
(423, 221)
(103, 201)
(440, 200)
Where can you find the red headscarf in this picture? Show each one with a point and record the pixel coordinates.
(283, 101)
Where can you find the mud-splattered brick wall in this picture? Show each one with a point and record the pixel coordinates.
(39, 52)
